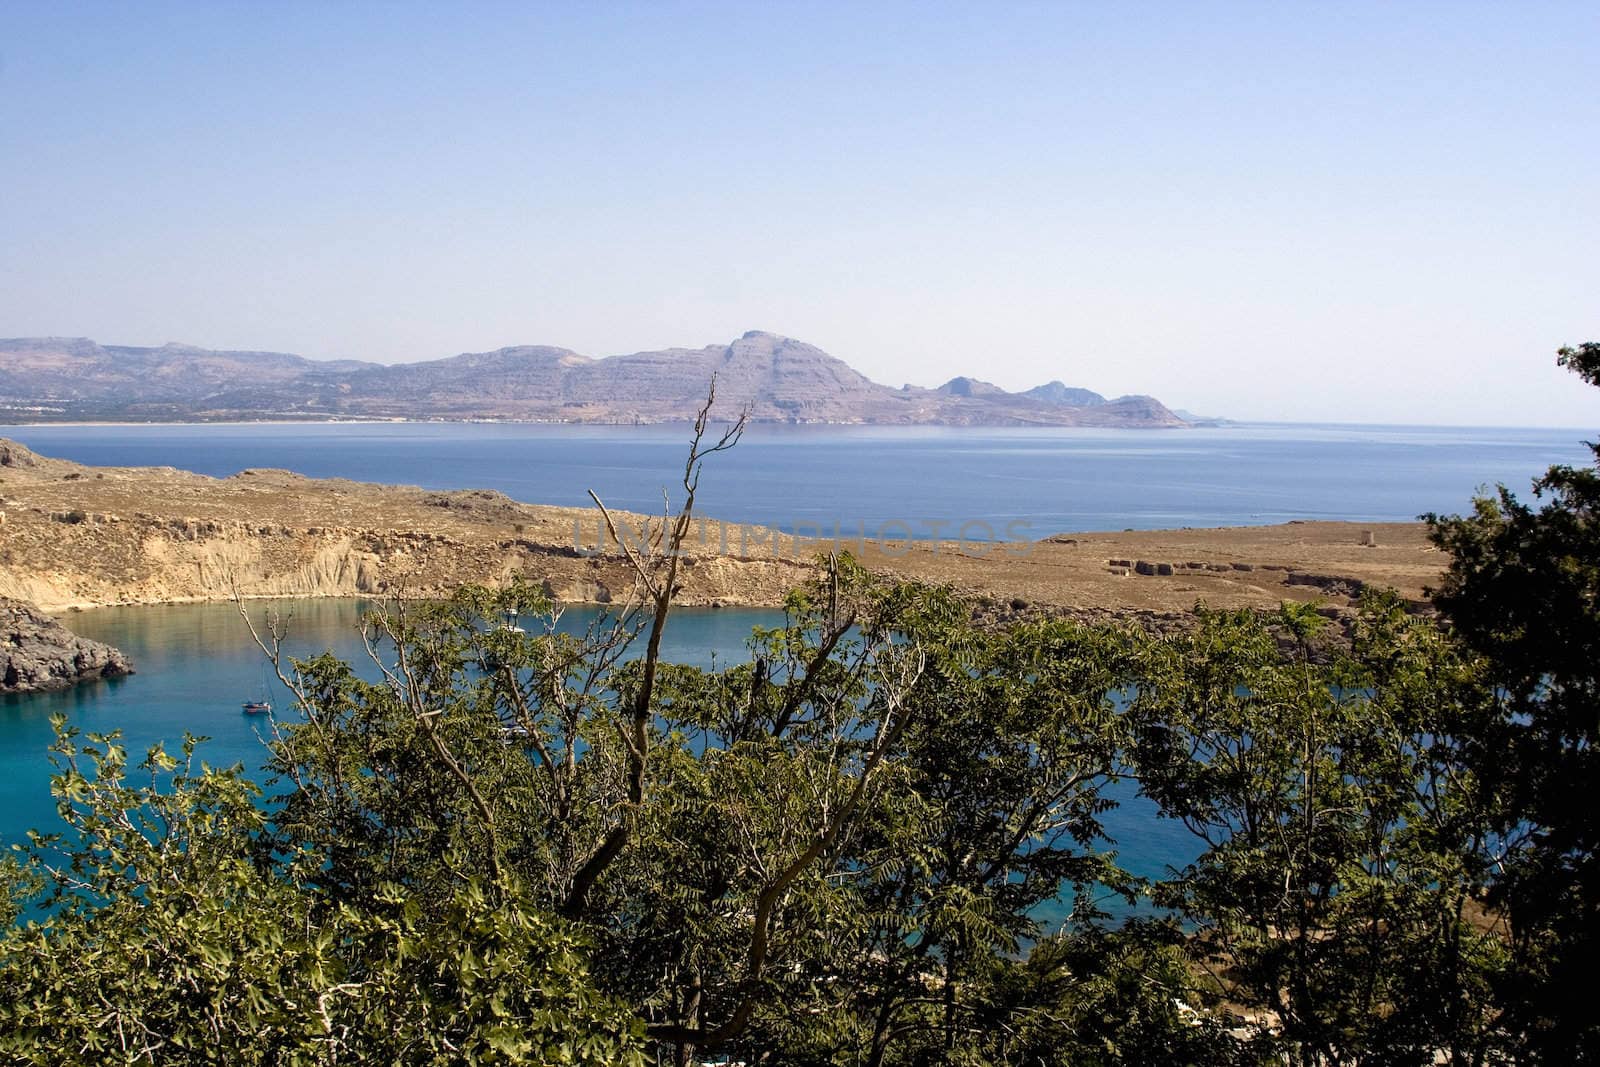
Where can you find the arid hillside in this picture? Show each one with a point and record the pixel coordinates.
(75, 536)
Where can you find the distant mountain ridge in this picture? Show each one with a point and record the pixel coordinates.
(777, 378)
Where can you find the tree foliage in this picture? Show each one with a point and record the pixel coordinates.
(1341, 871)
(1523, 589)
(175, 937)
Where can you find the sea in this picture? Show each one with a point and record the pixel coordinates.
(921, 482)
(197, 663)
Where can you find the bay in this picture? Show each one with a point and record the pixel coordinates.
(197, 663)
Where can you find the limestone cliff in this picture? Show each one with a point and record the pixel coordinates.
(73, 536)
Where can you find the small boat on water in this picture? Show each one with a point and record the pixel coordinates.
(264, 705)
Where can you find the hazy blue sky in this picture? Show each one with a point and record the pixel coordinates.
(1318, 212)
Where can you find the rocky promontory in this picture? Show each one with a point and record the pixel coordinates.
(37, 653)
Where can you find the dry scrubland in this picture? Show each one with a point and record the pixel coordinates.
(76, 536)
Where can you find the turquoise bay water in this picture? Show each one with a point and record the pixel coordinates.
(197, 663)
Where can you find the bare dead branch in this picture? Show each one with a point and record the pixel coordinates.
(665, 559)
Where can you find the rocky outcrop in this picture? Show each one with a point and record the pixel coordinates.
(1333, 584)
(15, 455)
(38, 653)
(74, 536)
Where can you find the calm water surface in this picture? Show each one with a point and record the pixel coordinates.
(1050, 480)
(196, 663)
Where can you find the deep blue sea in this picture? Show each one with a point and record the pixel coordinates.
(1048, 481)
(196, 663)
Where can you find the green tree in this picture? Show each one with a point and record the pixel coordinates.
(1015, 736)
(1098, 995)
(172, 938)
(1523, 588)
(1341, 871)
(871, 807)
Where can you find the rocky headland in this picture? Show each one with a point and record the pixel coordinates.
(38, 653)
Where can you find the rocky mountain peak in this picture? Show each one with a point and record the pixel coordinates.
(970, 387)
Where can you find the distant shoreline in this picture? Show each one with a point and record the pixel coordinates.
(619, 425)
(770, 377)
(1209, 424)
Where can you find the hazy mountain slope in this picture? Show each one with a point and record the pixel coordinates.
(528, 373)
(78, 368)
(777, 378)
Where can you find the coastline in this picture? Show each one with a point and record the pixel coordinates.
(73, 536)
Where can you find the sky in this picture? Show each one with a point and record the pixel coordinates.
(1337, 212)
